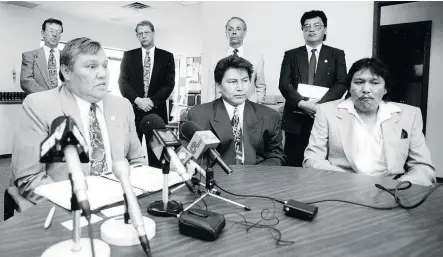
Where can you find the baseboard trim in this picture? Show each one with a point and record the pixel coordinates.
(4, 156)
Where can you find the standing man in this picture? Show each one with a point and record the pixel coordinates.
(236, 31)
(314, 64)
(40, 67)
(147, 78)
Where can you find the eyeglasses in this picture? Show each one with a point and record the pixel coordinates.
(51, 31)
(147, 33)
(316, 26)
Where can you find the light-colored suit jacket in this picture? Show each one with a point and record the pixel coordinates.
(34, 122)
(34, 76)
(257, 89)
(406, 153)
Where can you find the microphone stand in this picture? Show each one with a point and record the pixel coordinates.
(77, 246)
(211, 191)
(165, 207)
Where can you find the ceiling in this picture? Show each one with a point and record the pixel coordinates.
(113, 11)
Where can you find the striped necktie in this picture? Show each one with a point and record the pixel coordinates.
(312, 64)
(98, 155)
(146, 73)
(52, 69)
(237, 132)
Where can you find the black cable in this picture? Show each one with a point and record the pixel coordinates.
(90, 236)
(251, 196)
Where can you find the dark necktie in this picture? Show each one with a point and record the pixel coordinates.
(312, 64)
(98, 155)
(235, 52)
(52, 69)
(237, 132)
(146, 73)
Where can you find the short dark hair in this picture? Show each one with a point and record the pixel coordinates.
(145, 23)
(74, 48)
(313, 14)
(51, 21)
(376, 67)
(234, 62)
(237, 18)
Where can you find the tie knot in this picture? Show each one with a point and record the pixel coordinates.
(235, 51)
(52, 50)
(313, 50)
(93, 106)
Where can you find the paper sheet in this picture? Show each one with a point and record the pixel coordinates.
(103, 191)
(83, 222)
(312, 91)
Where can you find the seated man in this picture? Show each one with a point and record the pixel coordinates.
(249, 133)
(108, 119)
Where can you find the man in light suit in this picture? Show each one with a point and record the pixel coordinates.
(40, 67)
(236, 30)
(249, 133)
(147, 78)
(108, 119)
(315, 64)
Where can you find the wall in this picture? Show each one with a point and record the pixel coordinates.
(421, 11)
(274, 27)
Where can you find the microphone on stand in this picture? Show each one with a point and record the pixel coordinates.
(187, 159)
(203, 141)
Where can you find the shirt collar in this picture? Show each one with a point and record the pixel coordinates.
(230, 108)
(151, 51)
(84, 105)
(309, 48)
(48, 49)
(384, 111)
(240, 50)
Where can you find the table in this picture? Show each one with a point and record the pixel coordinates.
(338, 230)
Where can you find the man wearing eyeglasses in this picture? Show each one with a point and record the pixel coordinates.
(40, 67)
(147, 78)
(313, 64)
(236, 30)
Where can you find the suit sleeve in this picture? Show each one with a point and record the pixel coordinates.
(27, 170)
(260, 83)
(165, 90)
(27, 81)
(338, 88)
(287, 90)
(316, 153)
(135, 153)
(123, 81)
(274, 155)
(418, 166)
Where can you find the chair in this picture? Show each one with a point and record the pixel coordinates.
(14, 201)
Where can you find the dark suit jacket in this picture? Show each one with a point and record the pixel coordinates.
(161, 84)
(262, 136)
(34, 75)
(331, 72)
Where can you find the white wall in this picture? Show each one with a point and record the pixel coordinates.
(274, 27)
(421, 11)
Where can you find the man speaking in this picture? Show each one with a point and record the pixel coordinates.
(105, 121)
(249, 133)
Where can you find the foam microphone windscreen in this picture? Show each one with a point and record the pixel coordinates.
(151, 122)
(189, 128)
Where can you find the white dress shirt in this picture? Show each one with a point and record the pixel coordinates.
(368, 153)
(151, 54)
(47, 50)
(241, 109)
(317, 53)
(84, 108)
(240, 52)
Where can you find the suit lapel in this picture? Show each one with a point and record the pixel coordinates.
(391, 137)
(156, 67)
(322, 63)
(221, 126)
(303, 64)
(115, 134)
(138, 64)
(42, 64)
(252, 128)
(344, 120)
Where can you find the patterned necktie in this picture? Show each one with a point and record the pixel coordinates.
(146, 73)
(235, 52)
(237, 132)
(98, 156)
(52, 68)
(312, 64)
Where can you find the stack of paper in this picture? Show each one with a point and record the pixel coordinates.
(103, 191)
(312, 91)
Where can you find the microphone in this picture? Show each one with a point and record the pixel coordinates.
(163, 143)
(121, 172)
(202, 141)
(66, 144)
(188, 161)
